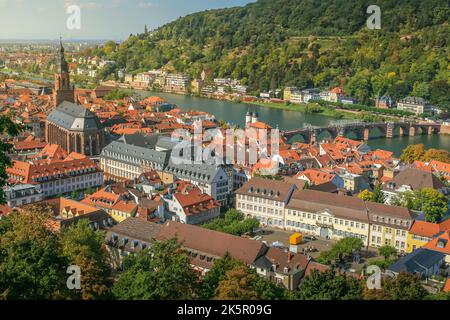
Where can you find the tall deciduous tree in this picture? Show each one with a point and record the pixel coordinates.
(329, 286)
(406, 286)
(31, 262)
(9, 129)
(162, 273)
(239, 284)
(86, 249)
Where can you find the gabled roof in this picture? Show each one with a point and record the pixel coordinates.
(417, 179)
(74, 117)
(424, 229)
(441, 243)
(337, 205)
(269, 189)
(212, 242)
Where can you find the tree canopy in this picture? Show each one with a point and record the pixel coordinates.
(274, 43)
(234, 223)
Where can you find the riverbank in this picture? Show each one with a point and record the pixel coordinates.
(327, 112)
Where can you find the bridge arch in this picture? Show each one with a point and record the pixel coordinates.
(376, 131)
(355, 133)
(326, 133)
(401, 130)
(299, 137)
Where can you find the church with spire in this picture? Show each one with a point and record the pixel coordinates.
(63, 90)
(70, 125)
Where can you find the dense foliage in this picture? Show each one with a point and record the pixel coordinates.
(417, 152)
(162, 273)
(34, 259)
(10, 129)
(433, 203)
(321, 43)
(341, 250)
(234, 223)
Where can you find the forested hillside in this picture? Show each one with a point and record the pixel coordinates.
(306, 43)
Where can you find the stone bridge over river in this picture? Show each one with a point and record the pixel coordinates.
(363, 131)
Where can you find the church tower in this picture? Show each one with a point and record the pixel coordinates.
(63, 90)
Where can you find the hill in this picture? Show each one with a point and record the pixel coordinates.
(306, 43)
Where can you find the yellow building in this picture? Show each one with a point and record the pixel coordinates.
(420, 233)
(327, 215)
(334, 216)
(288, 92)
(389, 226)
(123, 210)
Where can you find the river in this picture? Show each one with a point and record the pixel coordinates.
(234, 113)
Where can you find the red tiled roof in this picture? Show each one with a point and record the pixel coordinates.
(440, 243)
(316, 177)
(425, 229)
(194, 201)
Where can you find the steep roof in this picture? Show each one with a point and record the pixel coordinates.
(440, 243)
(137, 229)
(338, 205)
(74, 117)
(269, 189)
(417, 179)
(424, 229)
(212, 242)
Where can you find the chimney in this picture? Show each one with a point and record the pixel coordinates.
(289, 257)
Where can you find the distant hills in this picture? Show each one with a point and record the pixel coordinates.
(307, 43)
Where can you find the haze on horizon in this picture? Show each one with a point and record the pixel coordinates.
(100, 19)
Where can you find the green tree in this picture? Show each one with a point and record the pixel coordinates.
(86, 248)
(406, 286)
(378, 194)
(340, 250)
(8, 129)
(387, 251)
(32, 265)
(217, 273)
(234, 222)
(434, 204)
(162, 273)
(329, 286)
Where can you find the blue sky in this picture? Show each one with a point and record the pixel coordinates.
(100, 19)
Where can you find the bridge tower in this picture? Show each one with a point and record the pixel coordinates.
(390, 130)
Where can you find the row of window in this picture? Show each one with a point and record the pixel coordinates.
(387, 242)
(326, 219)
(259, 209)
(389, 230)
(260, 200)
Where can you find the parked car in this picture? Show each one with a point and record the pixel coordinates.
(310, 238)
